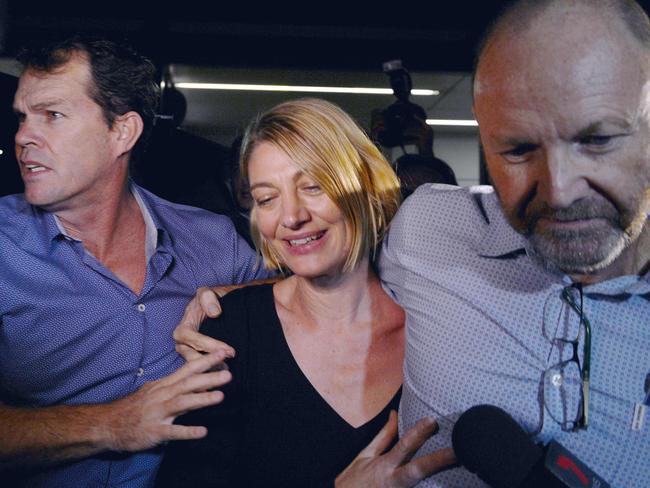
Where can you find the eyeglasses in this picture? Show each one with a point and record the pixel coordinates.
(566, 383)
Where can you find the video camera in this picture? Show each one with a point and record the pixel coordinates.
(401, 114)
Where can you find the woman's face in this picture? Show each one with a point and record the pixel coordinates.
(296, 217)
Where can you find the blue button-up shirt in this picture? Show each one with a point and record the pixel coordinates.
(482, 316)
(72, 333)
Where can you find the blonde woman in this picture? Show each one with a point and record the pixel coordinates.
(319, 354)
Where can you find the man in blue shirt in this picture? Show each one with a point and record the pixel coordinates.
(94, 275)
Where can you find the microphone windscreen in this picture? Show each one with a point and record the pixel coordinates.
(490, 443)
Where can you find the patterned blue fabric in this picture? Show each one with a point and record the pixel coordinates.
(72, 333)
(481, 317)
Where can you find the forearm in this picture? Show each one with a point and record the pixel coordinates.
(48, 436)
(221, 290)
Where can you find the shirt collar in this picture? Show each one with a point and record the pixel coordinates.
(499, 238)
(151, 230)
(61, 230)
(622, 285)
(36, 228)
(154, 232)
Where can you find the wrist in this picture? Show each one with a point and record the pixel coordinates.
(103, 427)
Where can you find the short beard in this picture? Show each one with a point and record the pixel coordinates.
(579, 252)
(587, 251)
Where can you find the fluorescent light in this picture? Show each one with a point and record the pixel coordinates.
(293, 88)
(453, 122)
(1, 152)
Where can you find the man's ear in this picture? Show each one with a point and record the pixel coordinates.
(127, 129)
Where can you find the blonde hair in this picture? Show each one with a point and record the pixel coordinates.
(327, 145)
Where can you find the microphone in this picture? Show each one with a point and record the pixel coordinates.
(490, 443)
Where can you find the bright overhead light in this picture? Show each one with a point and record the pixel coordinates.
(453, 122)
(294, 88)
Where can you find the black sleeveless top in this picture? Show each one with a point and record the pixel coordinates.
(273, 428)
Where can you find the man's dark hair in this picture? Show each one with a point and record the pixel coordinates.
(122, 80)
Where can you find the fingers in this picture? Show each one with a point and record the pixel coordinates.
(204, 304)
(141, 420)
(201, 382)
(175, 432)
(193, 314)
(209, 301)
(199, 365)
(182, 404)
(412, 440)
(382, 440)
(188, 353)
(424, 466)
(188, 338)
(410, 471)
(396, 469)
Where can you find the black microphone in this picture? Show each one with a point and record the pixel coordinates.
(490, 443)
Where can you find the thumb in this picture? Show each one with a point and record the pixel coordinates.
(209, 301)
(192, 318)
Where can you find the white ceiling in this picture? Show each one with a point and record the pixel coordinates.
(221, 115)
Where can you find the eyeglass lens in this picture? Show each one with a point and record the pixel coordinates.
(563, 381)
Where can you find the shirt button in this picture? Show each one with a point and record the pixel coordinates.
(556, 380)
(141, 307)
(140, 372)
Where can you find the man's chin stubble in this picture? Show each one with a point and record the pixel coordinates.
(579, 252)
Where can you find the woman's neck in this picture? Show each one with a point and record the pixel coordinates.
(345, 299)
